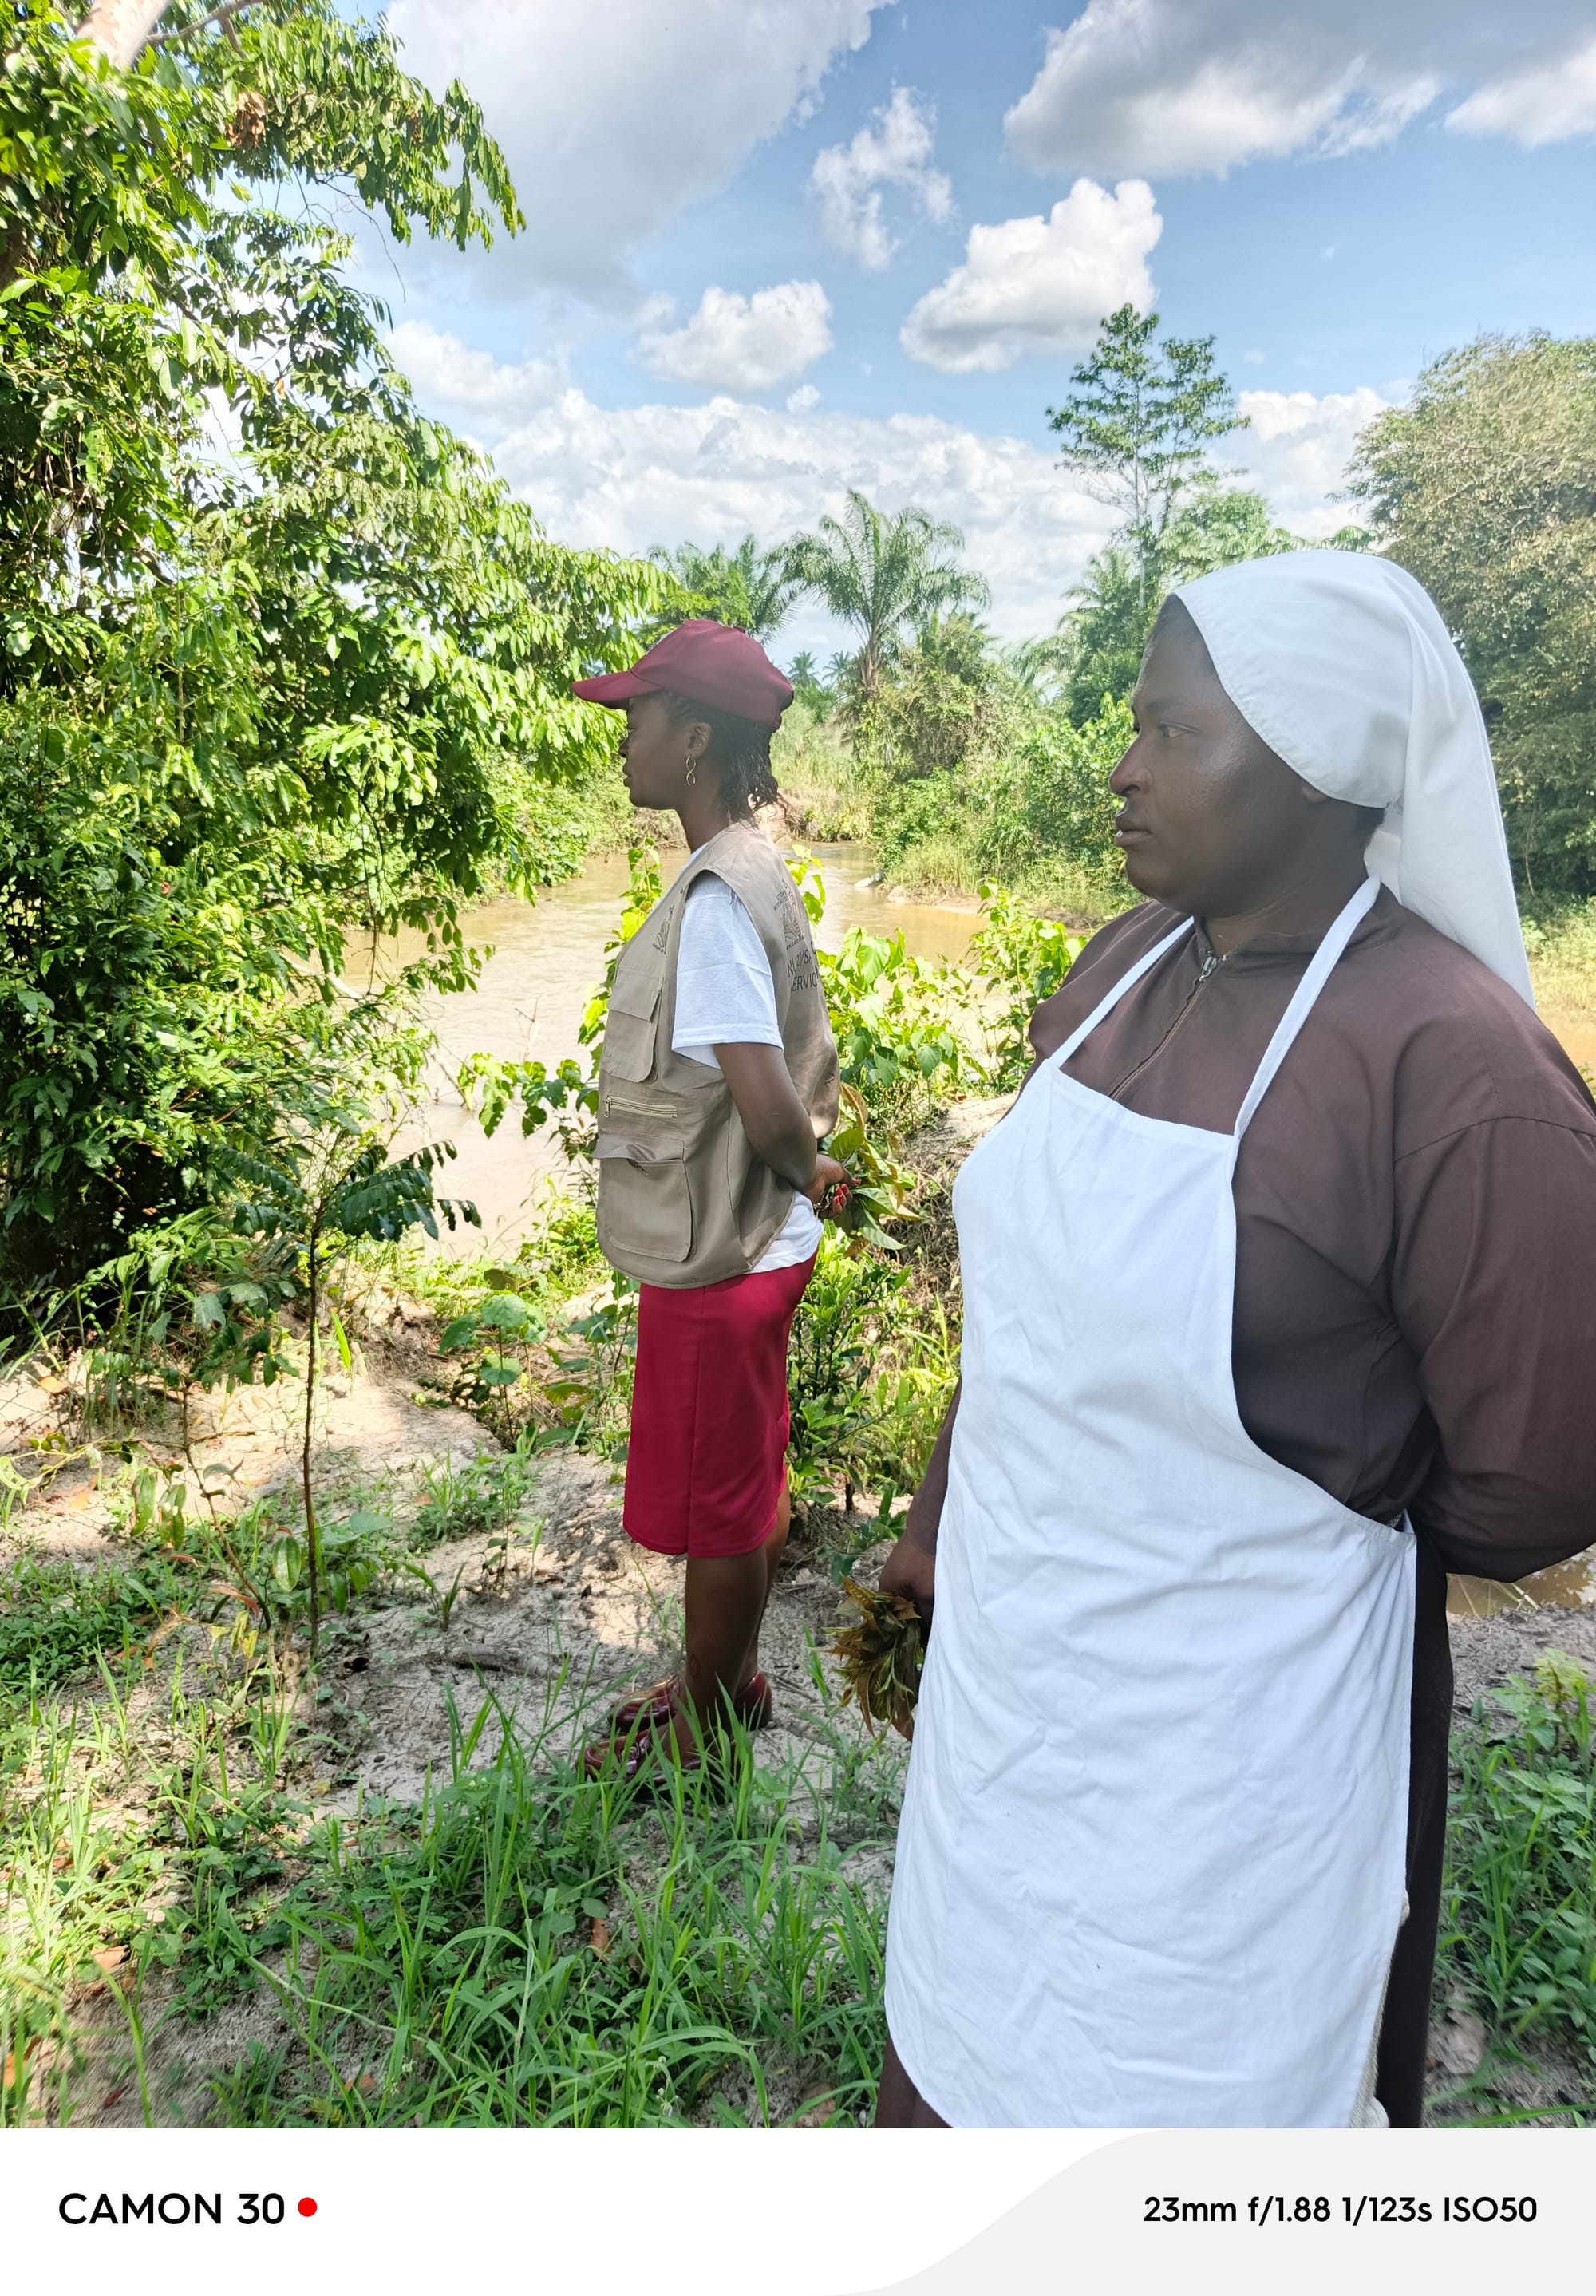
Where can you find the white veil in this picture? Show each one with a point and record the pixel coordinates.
(1342, 664)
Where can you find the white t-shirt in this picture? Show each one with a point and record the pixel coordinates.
(725, 996)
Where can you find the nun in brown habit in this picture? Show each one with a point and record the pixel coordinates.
(1280, 1304)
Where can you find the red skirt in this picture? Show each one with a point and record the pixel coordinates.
(707, 1456)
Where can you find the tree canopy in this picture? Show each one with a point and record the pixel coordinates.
(1483, 486)
(883, 573)
(749, 588)
(1137, 430)
(280, 659)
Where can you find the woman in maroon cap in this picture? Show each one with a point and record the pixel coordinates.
(718, 1077)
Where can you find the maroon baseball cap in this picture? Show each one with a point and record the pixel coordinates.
(709, 662)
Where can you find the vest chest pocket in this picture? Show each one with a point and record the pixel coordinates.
(645, 1205)
(629, 1026)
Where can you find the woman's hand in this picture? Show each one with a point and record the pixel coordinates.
(828, 1173)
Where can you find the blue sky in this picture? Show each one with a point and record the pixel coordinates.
(781, 246)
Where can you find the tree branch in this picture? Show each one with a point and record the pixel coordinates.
(222, 15)
(119, 29)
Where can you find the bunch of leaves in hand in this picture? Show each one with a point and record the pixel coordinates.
(882, 1651)
(880, 1186)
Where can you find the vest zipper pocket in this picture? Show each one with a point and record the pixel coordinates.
(615, 1102)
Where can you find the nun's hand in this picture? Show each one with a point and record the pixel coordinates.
(911, 1569)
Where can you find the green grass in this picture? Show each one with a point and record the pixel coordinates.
(57, 1617)
(435, 1964)
(441, 1969)
(1519, 1920)
(1562, 940)
(162, 1854)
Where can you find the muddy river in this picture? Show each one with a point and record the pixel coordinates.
(527, 1005)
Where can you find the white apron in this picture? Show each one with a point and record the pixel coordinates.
(1151, 1867)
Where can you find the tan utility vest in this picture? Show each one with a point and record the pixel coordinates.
(682, 1199)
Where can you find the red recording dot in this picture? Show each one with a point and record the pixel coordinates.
(307, 2208)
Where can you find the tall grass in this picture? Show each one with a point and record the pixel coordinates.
(530, 1946)
(1519, 1925)
(1562, 940)
(525, 1945)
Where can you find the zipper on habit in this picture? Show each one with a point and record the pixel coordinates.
(1210, 965)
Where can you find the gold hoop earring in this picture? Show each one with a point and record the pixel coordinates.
(692, 772)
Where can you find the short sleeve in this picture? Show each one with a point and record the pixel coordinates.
(724, 992)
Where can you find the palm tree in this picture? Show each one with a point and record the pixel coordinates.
(747, 587)
(883, 573)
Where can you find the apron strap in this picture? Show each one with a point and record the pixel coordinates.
(1322, 964)
(1128, 981)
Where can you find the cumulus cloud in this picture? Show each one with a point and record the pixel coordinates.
(1297, 450)
(1181, 87)
(482, 390)
(846, 179)
(1545, 104)
(740, 342)
(625, 477)
(1039, 283)
(612, 129)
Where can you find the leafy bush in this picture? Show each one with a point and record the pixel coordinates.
(246, 709)
(871, 1369)
(1022, 958)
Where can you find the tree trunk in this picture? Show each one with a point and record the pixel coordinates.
(118, 29)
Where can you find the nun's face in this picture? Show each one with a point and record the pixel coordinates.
(1211, 821)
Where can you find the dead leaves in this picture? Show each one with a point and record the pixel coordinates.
(881, 1654)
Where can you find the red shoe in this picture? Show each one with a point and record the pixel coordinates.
(753, 1705)
(641, 1731)
(648, 1741)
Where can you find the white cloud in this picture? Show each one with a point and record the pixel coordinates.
(1181, 87)
(846, 179)
(738, 342)
(1545, 104)
(625, 478)
(613, 123)
(1296, 451)
(1039, 283)
(803, 398)
(482, 389)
